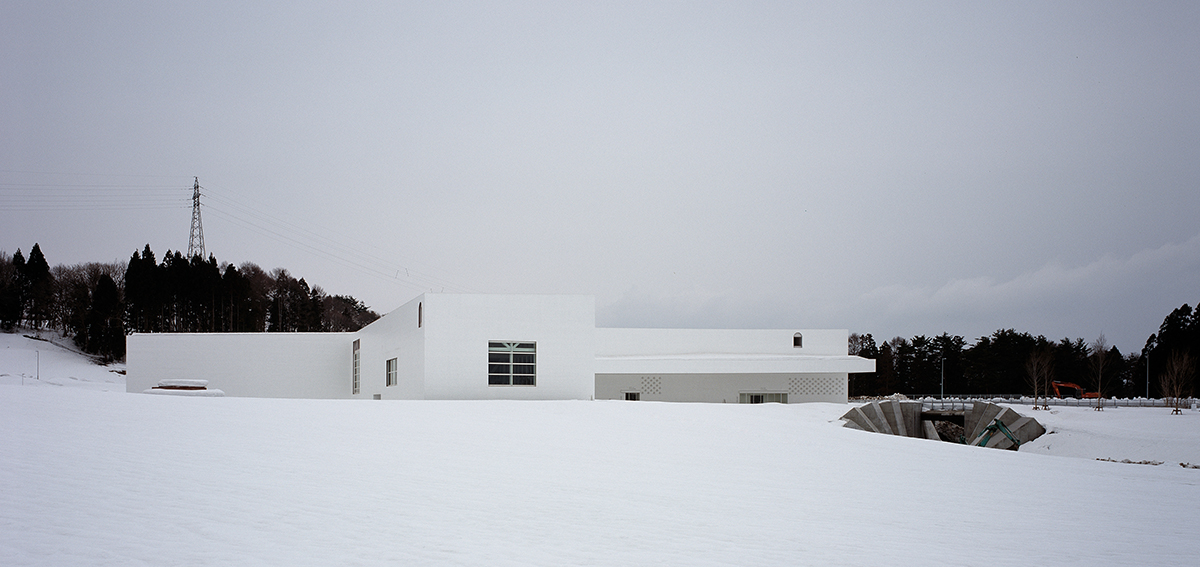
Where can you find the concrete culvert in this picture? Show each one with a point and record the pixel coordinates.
(984, 424)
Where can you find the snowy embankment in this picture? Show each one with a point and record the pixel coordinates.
(51, 360)
(94, 478)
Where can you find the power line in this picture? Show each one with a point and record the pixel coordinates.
(32, 195)
(313, 249)
(330, 246)
(87, 186)
(68, 174)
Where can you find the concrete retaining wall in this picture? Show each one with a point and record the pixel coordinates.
(903, 418)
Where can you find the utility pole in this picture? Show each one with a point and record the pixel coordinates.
(943, 377)
(196, 241)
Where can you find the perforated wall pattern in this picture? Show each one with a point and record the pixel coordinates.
(651, 385)
(817, 386)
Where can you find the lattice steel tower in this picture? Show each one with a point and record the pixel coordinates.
(196, 242)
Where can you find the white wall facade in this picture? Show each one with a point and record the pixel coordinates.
(719, 365)
(458, 329)
(632, 342)
(723, 388)
(440, 343)
(400, 335)
(258, 365)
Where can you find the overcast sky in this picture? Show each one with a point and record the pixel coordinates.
(892, 168)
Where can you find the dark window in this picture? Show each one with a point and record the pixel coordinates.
(633, 396)
(354, 371)
(798, 340)
(512, 363)
(746, 398)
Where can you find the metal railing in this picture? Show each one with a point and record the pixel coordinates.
(965, 402)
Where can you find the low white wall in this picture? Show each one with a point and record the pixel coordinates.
(726, 388)
(459, 327)
(263, 365)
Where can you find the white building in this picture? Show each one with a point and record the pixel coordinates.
(526, 347)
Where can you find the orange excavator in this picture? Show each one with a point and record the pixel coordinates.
(1072, 390)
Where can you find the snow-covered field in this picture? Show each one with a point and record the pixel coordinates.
(89, 477)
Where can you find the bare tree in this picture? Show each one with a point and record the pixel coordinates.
(1176, 379)
(1099, 360)
(1038, 370)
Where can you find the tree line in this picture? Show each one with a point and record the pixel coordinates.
(1011, 362)
(99, 303)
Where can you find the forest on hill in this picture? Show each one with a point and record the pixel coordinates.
(100, 303)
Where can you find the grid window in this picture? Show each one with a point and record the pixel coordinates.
(512, 363)
(391, 372)
(633, 396)
(354, 371)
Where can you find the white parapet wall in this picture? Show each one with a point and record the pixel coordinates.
(632, 342)
(263, 365)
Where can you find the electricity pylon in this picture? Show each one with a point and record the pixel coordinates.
(196, 242)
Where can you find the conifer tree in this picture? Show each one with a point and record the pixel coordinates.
(142, 303)
(10, 297)
(41, 287)
(22, 286)
(105, 331)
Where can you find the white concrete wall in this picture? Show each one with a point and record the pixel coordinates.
(265, 365)
(731, 364)
(457, 329)
(446, 356)
(626, 341)
(723, 388)
(395, 335)
(717, 365)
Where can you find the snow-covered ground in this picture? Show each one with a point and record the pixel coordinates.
(89, 477)
(53, 361)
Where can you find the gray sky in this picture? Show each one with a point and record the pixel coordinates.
(892, 168)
